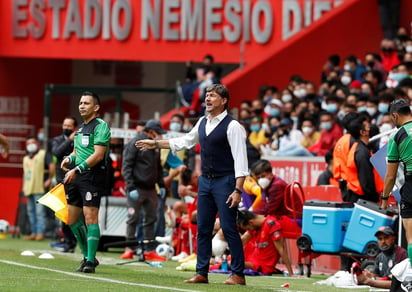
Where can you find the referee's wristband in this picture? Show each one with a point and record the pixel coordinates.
(83, 166)
(72, 158)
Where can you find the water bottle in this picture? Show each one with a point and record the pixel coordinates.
(156, 264)
(224, 263)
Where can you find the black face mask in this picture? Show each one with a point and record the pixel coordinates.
(371, 64)
(387, 50)
(258, 111)
(67, 132)
(402, 37)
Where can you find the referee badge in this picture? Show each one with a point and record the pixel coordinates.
(85, 140)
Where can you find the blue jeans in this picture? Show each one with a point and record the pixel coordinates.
(36, 214)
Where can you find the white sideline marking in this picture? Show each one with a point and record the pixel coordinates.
(96, 278)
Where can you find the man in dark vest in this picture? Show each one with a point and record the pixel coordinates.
(224, 168)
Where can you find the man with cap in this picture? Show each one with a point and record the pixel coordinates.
(391, 254)
(142, 171)
(399, 150)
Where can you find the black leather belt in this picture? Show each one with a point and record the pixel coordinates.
(210, 175)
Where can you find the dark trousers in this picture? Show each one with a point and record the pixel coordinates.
(212, 196)
(389, 11)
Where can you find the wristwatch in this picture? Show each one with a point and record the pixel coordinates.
(237, 191)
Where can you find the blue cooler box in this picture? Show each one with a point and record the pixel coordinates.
(366, 219)
(325, 223)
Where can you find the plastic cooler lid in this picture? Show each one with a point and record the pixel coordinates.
(328, 204)
(376, 208)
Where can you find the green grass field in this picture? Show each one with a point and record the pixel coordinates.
(29, 273)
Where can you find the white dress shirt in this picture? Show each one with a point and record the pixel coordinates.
(236, 136)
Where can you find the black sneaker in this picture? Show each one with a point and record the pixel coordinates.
(83, 264)
(89, 267)
(407, 285)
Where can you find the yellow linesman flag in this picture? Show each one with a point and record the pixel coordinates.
(55, 199)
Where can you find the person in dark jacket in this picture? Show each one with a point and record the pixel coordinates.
(142, 171)
(62, 146)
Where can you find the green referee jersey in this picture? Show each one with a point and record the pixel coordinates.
(400, 146)
(96, 132)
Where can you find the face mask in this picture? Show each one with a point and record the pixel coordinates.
(326, 126)
(362, 109)
(408, 49)
(40, 136)
(31, 148)
(383, 108)
(67, 132)
(258, 111)
(365, 92)
(331, 107)
(267, 98)
(265, 127)
(286, 98)
(300, 92)
(323, 92)
(385, 127)
(402, 37)
(307, 130)
(187, 128)
(387, 50)
(255, 128)
(346, 80)
(371, 110)
(273, 129)
(295, 120)
(274, 112)
(371, 64)
(399, 76)
(391, 83)
(175, 127)
(264, 182)
(346, 67)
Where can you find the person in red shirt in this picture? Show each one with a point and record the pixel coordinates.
(264, 243)
(331, 132)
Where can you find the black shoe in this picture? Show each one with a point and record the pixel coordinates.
(407, 285)
(83, 264)
(89, 267)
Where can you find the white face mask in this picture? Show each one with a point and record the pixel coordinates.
(371, 110)
(346, 80)
(31, 148)
(307, 130)
(264, 182)
(408, 49)
(286, 98)
(385, 127)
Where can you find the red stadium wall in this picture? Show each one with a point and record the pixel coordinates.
(21, 102)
